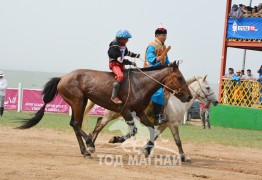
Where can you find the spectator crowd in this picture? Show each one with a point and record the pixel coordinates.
(238, 88)
(241, 10)
(240, 75)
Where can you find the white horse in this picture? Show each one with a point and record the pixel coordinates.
(174, 112)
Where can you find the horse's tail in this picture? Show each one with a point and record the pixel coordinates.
(49, 93)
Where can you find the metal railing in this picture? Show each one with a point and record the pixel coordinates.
(241, 93)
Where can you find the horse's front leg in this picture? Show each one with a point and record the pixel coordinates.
(102, 122)
(160, 129)
(175, 132)
(150, 145)
(133, 129)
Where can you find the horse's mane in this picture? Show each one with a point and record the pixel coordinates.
(150, 68)
(193, 79)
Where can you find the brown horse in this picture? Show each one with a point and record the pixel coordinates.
(136, 90)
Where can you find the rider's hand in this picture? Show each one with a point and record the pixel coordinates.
(133, 63)
(159, 58)
(138, 56)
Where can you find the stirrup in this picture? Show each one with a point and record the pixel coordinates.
(160, 119)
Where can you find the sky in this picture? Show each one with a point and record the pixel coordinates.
(64, 35)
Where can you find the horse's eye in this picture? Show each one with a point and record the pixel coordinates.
(179, 78)
(208, 88)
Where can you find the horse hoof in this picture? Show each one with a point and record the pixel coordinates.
(145, 152)
(91, 149)
(188, 160)
(113, 139)
(87, 155)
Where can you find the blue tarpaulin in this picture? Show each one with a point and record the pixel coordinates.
(244, 28)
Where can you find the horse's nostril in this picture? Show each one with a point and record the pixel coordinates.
(189, 97)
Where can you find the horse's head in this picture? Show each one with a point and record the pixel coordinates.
(176, 81)
(203, 91)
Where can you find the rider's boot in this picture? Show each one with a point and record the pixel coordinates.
(159, 116)
(114, 97)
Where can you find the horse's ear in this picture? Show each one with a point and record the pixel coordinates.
(205, 77)
(175, 65)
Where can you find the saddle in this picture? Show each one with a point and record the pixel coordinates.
(149, 111)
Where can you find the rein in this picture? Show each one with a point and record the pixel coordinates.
(174, 91)
(165, 86)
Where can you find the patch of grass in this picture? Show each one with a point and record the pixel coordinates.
(188, 133)
(221, 135)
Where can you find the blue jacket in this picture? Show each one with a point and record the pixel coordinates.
(158, 97)
(236, 78)
(151, 57)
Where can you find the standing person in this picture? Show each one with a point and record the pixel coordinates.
(156, 55)
(248, 87)
(259, 9)
(116, 53)
(237, 88)
(236, 11)
(242, 72)
(254, 10)
(245, 10)
(230, 74)
(236, 77)
(229, 86)
(204, 114)
(249, 76)
(3, 87)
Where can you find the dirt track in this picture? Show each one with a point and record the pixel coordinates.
(50, 154)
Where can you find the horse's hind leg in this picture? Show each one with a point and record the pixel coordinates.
(76, 123)
(79, 139)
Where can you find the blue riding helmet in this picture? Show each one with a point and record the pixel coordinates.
(123, 34)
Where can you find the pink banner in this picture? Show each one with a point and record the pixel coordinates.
(11, 99)
(97, 110)
(32, 101)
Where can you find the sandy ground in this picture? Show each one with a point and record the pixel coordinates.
(50, 154)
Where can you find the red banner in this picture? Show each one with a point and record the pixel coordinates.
(11, 99)
(32, 101)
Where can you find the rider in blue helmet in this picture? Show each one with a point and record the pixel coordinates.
(123, 34)
(116, 53)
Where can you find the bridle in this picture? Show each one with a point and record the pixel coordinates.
(172, 81)
(200, 88)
